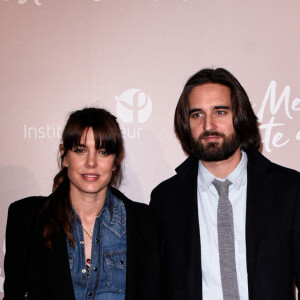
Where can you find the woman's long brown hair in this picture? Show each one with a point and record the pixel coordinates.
(58, 212)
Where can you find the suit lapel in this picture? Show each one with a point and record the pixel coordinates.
(259, 201)
(49, 273)
(57, 263)
(184, 204)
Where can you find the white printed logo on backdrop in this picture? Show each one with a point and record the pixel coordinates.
(50, 131)
(37, 2)
(133, 107)
(273, 137)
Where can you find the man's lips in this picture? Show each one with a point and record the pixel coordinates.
(90, 177)
(211, 138)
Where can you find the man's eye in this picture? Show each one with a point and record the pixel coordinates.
(197, 115)
(221, 112)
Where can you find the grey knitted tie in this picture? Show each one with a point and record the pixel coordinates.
(226, 242)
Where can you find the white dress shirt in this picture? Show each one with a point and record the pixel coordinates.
(207, 197)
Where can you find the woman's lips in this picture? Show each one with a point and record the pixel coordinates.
(90, 177)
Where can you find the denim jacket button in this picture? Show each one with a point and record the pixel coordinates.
(83, 270)
(95, 269)
(90, 294)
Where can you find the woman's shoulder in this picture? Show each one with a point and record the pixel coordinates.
(22, 219)
(27, 206)
(130, 204)
(140, 214)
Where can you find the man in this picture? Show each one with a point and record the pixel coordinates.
(231, 217)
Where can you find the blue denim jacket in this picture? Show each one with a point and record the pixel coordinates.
(107, 276)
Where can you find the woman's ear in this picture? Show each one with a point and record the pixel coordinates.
(115, 163)
(62, 151)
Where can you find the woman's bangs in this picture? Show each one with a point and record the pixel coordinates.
(73, 136)
(106, 138)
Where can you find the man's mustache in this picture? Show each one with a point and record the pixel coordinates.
(211, 133)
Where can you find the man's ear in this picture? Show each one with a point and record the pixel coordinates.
(62, 151)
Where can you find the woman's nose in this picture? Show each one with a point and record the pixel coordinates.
(91, 160)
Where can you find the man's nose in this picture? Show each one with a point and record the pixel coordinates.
(209, 123)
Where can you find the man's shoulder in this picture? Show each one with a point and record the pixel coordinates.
(256, 160)
(166, 191)
(285, 175)
(187, 169)
(165, 185)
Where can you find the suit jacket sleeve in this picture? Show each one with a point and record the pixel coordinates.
(19, 231)
(296, 237)
(10, 260)
(13, 261)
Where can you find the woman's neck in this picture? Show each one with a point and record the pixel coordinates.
(87, 206)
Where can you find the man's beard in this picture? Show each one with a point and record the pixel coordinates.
(215, 151)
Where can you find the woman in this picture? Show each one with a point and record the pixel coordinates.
(86, 240)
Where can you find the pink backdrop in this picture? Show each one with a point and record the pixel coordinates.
(58, 56)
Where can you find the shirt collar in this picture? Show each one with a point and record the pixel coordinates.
(108, 207)
(114, 214)
(236, 177)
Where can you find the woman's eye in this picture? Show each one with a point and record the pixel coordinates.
(78, 150)
(103, 152)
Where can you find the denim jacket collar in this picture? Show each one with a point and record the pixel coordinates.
(113, 214)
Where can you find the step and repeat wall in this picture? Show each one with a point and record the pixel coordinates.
(133, 58)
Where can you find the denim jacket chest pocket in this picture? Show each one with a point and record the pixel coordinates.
(115, 267)
(114, 243)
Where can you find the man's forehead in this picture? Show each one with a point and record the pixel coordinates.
(211, 85)
(210, 95)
